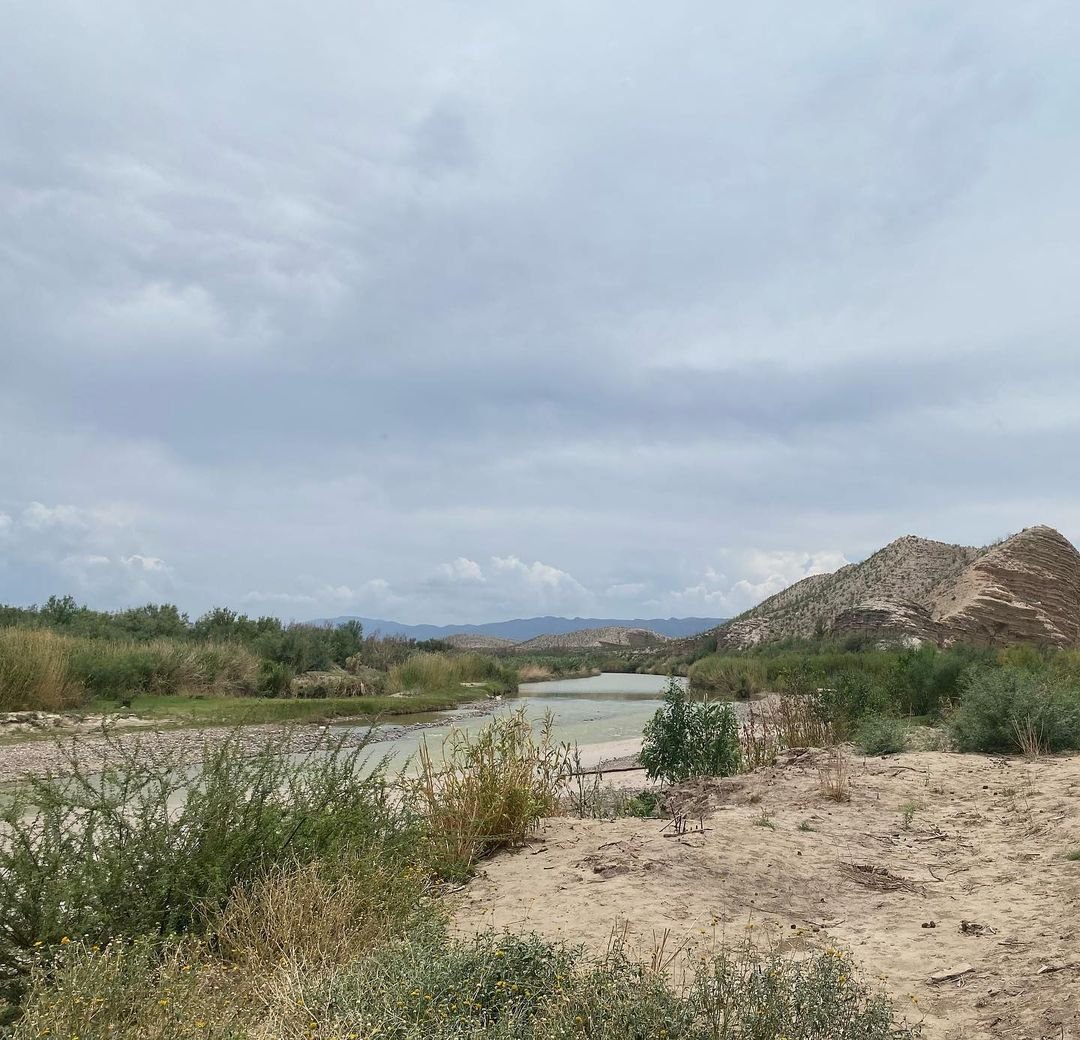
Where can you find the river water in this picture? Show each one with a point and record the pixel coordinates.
(600, 709)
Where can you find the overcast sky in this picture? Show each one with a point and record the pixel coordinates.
(460, 311)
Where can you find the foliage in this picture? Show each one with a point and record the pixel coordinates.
(427, 672)
(1002, 709)
(148, 845)
(35, 672)
(733, 677)
(425, 985)
(878, 735)
(688, 738)
(490, 790)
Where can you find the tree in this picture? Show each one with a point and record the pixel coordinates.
(688, 738)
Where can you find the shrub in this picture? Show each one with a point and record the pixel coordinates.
(35, 671)
(490, 791)
(275, 680)
(688, 738)
(151, 844)
(878, 735)
(1003, 709)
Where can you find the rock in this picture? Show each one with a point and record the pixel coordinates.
(1025, 589)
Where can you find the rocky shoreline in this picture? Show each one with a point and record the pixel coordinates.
(91, 737)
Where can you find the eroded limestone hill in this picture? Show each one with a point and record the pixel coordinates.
(596, 639)
(1024, 589)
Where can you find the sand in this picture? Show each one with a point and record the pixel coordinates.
(984, 844)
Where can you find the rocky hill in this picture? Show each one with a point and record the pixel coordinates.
(596, 639)
(1024, 589)
(475, 641)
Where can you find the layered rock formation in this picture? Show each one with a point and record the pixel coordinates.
(1024, 589)
(596, 639)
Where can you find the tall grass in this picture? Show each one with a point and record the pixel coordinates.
(35, 671)
(430, 672)
(731, 676)
(491, 790)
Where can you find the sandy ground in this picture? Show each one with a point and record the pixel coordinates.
(984, 844)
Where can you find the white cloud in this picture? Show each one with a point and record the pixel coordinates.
(462, 570)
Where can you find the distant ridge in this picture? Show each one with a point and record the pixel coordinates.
(520, 630)
(1024, 589)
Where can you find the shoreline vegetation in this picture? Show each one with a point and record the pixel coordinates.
(235, 886)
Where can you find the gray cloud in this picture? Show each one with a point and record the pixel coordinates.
(676, 304)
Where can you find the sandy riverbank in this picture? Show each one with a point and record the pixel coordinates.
(978, 882)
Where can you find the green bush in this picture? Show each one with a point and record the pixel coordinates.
(431, 672)
(148, 843)
(1002, 709)
(878, 735)
(688, 738)
(275, 680)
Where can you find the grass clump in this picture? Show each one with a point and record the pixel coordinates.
(35, 671)
(740, 677)
(878, 735)
(1014, 709)
(1073, 856)
(490, 791)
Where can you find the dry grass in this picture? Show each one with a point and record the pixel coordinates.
(534, 673)
(1029, 738)
(316, 916)
(773, 725)
(491, 791)
(35, 671)
(833, 779)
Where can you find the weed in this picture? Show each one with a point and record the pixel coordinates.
(907, 814)
(765, 820)
(833, 774)
(1073, 856)
(806, 825)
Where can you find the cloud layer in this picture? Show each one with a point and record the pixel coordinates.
(458, 313)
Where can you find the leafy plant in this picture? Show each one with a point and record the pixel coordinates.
(688, 738)
(878, 735)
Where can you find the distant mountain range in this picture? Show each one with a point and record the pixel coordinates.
(518, 630)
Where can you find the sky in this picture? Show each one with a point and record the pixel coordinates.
(453, 312)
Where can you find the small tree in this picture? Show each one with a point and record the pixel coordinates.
(688, 738)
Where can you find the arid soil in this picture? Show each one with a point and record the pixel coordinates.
(978, 885)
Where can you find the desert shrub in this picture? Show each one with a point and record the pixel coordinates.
(750, 998)
(424, 985)
(1014, 709)
(146, 988)
(149, 843)
(35, 671)
(732, 677)
(688, 738)
(490, 791)
(878, 735)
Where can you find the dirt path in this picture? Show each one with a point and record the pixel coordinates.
(984, 844)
